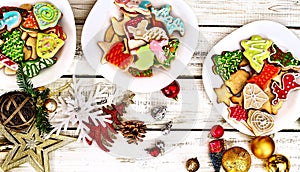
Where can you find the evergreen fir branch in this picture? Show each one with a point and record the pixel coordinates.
(42, 122)
(24, 83)
(44, 94)
(38, 98)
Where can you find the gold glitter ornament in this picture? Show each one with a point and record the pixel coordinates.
(262, 147)
(50, 105)
(192, 165)
(278, 163)
(236, 159)
(30, 147)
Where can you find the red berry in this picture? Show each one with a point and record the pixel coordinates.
(217, 131)
(154, 151)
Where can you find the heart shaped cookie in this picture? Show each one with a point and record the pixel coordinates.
(261, 122)
(118, 55)
(48, 45)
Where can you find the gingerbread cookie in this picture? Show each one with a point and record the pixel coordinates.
(254, 96)
(105, 46)
(289, 83)
(237, 81)
(135, 6)
(10, 20)
(256, 51)
(261, 123)
(140, 73)
(238, 99)
(223, 95)
(30, 22)
(227, 63)
(145, 58)
(5, 9)
(13, 45)
(118, 55)
(238, 113)
(46, 14)
(33, 67)
(171, 23)
(118, 25)
(264, 77)
(8, 62)
(285, 60)
(141, 32)
(58, 30)
(48, 45)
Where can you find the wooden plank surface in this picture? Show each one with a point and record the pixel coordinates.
(78, 157)
(216, 19)
(222, 12)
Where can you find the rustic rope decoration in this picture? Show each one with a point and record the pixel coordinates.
(17, 110)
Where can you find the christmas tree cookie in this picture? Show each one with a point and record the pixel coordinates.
(13, 45)
(283, 59)
(256, 51)
(227, 63)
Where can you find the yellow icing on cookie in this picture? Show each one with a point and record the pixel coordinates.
(256, 51)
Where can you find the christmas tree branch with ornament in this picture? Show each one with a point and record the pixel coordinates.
(38, 96)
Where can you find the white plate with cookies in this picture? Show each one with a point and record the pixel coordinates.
(97, 31)
(63, 53)
(252, 78)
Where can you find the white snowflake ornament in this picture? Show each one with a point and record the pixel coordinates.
(79, 108)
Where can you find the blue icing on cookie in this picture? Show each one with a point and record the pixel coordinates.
(145, 5)
(172, 23)
(10, 19)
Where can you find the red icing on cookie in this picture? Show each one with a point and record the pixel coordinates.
(117, 57)
(8, 62)
(238, 112)
(289, 84)
(262, 80)
(30, 22)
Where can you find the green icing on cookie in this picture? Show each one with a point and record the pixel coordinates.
(227, 63)
(48, 45)
(282, 58)
(33, 67)
(140, 73)
(13, 45)
(146, 58)
(170, 52)
(256, 51)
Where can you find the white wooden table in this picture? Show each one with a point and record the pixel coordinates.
(216, 19)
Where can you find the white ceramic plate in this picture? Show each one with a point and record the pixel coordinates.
(65, 55)
(99, 20)
(282, 37)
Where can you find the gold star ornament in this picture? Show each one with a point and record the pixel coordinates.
(32, 148)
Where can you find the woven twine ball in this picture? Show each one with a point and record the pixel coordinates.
(17, 110)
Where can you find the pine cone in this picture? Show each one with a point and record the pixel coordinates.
(134, 131)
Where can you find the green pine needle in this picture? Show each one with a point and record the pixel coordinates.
(38, 98)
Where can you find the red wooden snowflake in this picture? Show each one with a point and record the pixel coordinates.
(102, 135)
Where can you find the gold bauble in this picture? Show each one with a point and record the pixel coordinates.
(192, 165)
(50, 105)
(263, 147)
(236, 159)
(278, 163)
